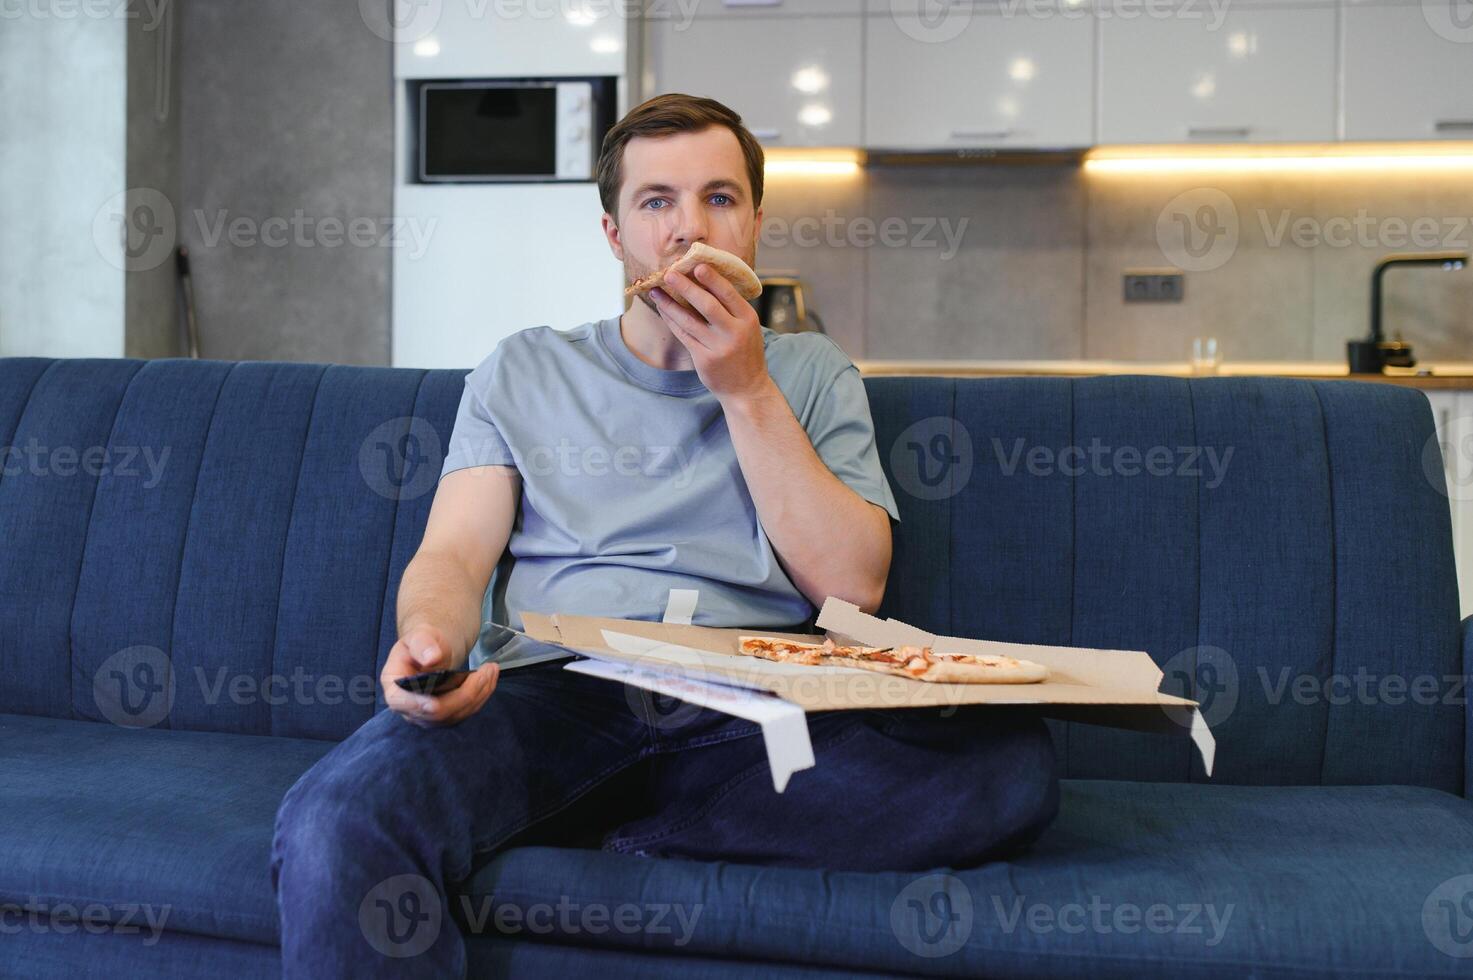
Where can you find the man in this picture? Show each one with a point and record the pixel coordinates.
(664, 448)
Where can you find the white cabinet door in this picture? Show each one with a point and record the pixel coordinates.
(1452, 412)
(1251, 74)
(498, 39)
(1409, 71)
(793, 80)
(984, 79)
(474, 267)
(687, 10)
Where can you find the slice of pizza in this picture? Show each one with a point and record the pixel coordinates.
(782, 651)
(916, 662)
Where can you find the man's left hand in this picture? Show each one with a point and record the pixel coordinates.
(723, 335)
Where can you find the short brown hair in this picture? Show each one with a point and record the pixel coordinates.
(665, 115)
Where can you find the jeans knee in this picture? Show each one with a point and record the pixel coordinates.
(1038, 746)
(322, 825)
(1035, 783)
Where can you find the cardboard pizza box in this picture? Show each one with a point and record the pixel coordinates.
(1116, 688)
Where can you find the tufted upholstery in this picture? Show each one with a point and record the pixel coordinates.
(284, 513)
(1321, 549)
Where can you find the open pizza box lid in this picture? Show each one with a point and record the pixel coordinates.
(1116, 688)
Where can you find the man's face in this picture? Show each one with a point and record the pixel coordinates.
(681, 189)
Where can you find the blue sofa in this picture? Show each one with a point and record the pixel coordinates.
(197, 587)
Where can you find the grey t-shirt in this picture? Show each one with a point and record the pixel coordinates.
(630, 482)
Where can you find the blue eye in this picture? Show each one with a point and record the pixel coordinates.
(654, 200)
(720, 195)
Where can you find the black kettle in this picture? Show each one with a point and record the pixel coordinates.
(782, 306)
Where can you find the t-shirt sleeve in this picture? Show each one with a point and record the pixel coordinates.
(475, 440)
(843, 434)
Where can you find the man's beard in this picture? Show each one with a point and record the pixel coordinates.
(634, 273)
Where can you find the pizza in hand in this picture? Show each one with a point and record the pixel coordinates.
(916, 662)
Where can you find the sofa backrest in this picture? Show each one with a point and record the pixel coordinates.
(232, 535)
(255, 558)
(1278, 546)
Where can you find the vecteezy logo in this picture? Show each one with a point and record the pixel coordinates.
(656, 708)
(1207, 675)
(134, 229)
(400, 916)
(134, 688)
(1451, 475)
(1198, 230)
(400, 459)
(400, 21)
(931, 21)
(1447, 916)
(1451, 20)
(660, 710)
(932, 916)
(932, 458)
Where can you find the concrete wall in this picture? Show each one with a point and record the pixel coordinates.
(152, 288)
(286, 140)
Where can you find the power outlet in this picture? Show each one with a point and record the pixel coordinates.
(1153, 287)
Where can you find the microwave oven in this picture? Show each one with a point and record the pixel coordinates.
(512, 129)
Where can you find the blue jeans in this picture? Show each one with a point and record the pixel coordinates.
(377, 834)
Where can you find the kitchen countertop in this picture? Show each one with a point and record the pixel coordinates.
(1444, 374)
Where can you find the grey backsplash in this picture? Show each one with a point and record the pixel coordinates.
(1037, 270)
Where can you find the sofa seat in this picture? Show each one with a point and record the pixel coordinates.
(142, 819)
(1302, 881)
(1277, 881)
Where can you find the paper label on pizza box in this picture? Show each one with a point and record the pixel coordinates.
(1117, 688)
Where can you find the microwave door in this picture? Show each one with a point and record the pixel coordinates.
(475, 132)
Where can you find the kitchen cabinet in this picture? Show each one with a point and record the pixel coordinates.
(481, 40)
(1250, 74)
(989, 79)
(794, 78)
(1408, 71)
(470, 282)
(937, 11)
(956, 74)
(741, 9)
(1452, 413)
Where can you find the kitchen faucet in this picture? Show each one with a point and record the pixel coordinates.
(1370, 356)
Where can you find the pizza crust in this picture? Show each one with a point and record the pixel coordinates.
(732, 269)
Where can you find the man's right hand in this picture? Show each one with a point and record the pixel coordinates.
(421, 649)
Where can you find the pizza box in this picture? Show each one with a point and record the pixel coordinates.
(1116, 688)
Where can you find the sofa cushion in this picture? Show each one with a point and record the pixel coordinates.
(172, 824)
(495, 957)
(1134, 879)
(105, 953)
